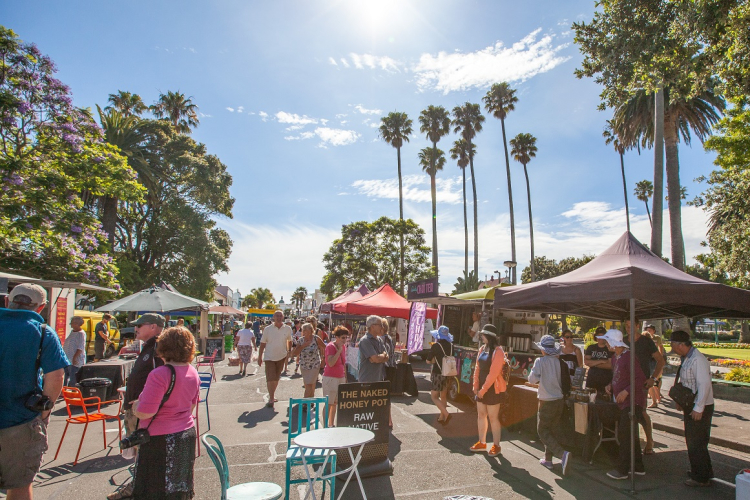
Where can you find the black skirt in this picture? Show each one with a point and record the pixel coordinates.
(164, 468)
(492, 398)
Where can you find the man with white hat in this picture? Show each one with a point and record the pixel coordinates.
(620, 389)
(548, 372)
(26, 398)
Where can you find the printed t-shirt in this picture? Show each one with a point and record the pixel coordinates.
(245, 336)
(338, 370)
(177, 413)
(275, 340)
(598, 378)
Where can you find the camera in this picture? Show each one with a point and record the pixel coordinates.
(38, 402)
(138, 437)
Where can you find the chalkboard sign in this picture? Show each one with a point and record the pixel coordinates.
(366, 406)
(214, 343)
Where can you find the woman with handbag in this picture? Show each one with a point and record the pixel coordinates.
(311, 350)
(489, 388)
(164, 468)
(439, 351)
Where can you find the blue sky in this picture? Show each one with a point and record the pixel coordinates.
(291, 94)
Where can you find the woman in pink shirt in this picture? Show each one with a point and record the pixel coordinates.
(164, 468)
(334, 373)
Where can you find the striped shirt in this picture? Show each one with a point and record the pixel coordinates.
(73, 342)
(695, 374)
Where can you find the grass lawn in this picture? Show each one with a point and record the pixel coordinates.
(726, 353)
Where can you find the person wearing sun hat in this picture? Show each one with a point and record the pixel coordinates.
(548, 372)
(443, 346)
(620, 389)
(489, 387)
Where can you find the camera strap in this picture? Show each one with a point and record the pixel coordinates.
(38, 363)
(166, 394)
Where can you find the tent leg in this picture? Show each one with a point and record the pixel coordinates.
(633, 423)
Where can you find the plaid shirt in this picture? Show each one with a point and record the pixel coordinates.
(695, 374)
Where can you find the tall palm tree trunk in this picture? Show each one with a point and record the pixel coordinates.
(658, 207)
(401, 219)
(466, 231)
(675, 198)
(649, 214)
(531, 222)
(510, 203)
(625, 189)
(476, 229)
(433, 192)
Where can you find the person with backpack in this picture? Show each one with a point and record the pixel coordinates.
(442, 348)
(489, 388)
(553, 377)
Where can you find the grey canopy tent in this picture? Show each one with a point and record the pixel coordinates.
(156, 299)
(627, 281)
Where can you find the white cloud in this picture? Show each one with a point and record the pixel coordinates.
(294, 127)
(463, 71)
(203, 115)
(344, 62)
(385, 63)
(240, 109)
(329, 136)
(366, 111)
(295, 119)
(263, 115)
(416, 188)
(341, 115)
(231, 110)
(332, 61)
(323, 121)
(343, 122)
(307, 135)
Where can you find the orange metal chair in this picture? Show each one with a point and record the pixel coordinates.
(207, 361)
(74, 399)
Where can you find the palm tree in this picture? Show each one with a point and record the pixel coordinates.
(178, 110)
(461, 152)
(643, 191)
(698, 114)
(611, 137)
(467, 121)
(299, 296)
(524, 149)
(395, 129)
(126, 103)
(500, 100)
(260, 297)
(436, 123)
(432, 160)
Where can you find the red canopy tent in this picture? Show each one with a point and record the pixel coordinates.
(347, 296)
(384, 302)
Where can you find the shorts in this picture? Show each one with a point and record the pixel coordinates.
(274, 369)
(98, 349)
(21, 450)
(331, 388)
(492, 398)
(310, 375)
(439, 383)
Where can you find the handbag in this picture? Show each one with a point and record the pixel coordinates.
(680, 394)
(448, 367)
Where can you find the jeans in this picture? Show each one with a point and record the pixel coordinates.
(697, 434)
(623, 436)
(548, 422)
(70, 375)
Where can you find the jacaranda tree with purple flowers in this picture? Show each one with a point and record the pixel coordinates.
(54, 167)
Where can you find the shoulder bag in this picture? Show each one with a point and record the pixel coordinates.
(680, 394)
(141, 436)
(448, 366)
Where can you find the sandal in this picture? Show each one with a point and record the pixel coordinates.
(123, 492)
(649, 451)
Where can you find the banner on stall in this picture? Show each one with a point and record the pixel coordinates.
(416, 327)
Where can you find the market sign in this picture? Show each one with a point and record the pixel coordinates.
(61, 318)
(415, 338)
(422, 289)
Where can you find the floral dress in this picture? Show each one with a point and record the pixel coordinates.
(309, 357)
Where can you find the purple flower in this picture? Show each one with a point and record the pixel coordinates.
(24, 107)
(76, 229)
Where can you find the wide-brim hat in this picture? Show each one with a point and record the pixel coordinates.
(489, 330)
(442, 333)
(548, 346)
(613, 338)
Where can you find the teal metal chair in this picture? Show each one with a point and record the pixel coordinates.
(246, 491)
(306, 415)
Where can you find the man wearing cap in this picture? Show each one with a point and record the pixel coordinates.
(695, 374)
(147, 329)
(597, 358)
(620, 389)
(275, 346)
(548, 372)
(372, 352)
(26, 345)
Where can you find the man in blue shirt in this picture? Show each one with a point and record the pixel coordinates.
(23, 431)
(256, 331)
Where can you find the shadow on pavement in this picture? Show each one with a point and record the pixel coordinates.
(519, 479)
(251, 419)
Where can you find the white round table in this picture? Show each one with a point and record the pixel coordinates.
(334, 438)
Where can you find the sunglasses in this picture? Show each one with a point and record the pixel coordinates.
(567, 337)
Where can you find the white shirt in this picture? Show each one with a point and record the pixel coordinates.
(695, 374)
(476, 328)
(245, 337)
(73, 342)
(275, 340)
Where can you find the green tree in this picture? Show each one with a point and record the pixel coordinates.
(461, 152)
(467, 122)
(126, 103)
(259, 298)
(395, 129)
(467, 283)
(501, 100)
(299, 296)
(611, 137)
(643, 191)
(369, 253)
(435, 122)
(54, 167)
(432, 161)
(524, 149)
(179, 110)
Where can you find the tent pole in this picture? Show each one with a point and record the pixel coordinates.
(633, 423)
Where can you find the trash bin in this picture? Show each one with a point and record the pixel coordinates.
(95, 388)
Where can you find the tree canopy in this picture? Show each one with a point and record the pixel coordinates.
(545, 268)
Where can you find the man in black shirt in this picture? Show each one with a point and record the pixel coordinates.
(597, 358)
(101, 337)
(147, 329)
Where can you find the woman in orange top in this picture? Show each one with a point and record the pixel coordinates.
(489, 387)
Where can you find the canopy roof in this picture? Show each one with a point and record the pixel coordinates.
(627, 270)
(384, 302)
(16, 278)
(347, 296)
(260, 312)
(481, 294)
(225, 310)
(154, 299)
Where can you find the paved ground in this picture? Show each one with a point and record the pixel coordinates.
(430, 461)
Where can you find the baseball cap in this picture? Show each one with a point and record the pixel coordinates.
(680, 336)
(28, 294)
(150, 319)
